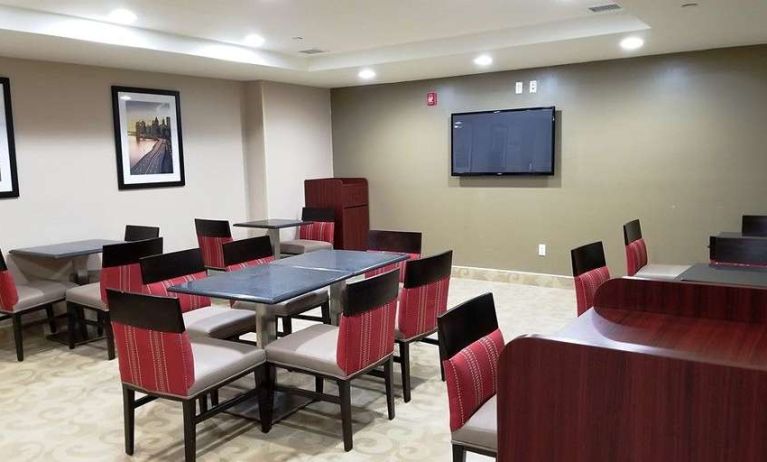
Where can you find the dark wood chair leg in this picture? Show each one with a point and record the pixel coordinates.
(100, 323)
(51, 318)
(190, 433)
(266, 396)
(442, 371)
(17, 336)
(319, 385)
(129, 398)
(83, 327)
(459, 453)
(203, 403)
(110, 336)
(345, 393)
(325, 308)
(388, 379)
(404, 354)
(287, 325)
(71, 324)
(214, 397)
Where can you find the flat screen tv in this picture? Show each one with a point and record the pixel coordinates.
(507, 142)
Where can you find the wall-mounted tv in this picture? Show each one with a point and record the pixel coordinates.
(504, 142)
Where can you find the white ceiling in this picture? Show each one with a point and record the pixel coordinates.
(399, 39)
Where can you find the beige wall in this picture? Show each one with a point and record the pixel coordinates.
(66, 157)
(675, 140)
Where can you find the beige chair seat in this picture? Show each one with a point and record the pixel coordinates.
(299, 246)
(36, 292)
(216, 361)
(87, 295)
(666, 272)
(219, 322)
(312, 349)
(294, 306)
(481, 430)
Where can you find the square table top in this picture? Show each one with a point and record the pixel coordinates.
(725, 274)
(66, 249)
(268, 284)
(275, 223)
(355, 262)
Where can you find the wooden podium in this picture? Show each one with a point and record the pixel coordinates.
(349, 198)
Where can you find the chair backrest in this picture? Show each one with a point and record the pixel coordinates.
(9, 296)
(470, 344)
(245, 253)
(754, 225)
(589, 272)
(394, 241)
(212, 235)
(140, 233)
(159, 272)
(424, 294)
(154, 352)
(322, 227)
(746, 251)
(366, 329)
(636, 248)
(120, 269)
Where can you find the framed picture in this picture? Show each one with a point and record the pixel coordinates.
(150, 153)
(9, 182)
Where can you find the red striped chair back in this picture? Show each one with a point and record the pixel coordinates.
(154, 352)
(394, 241)
(636, 248)
(9, 296)
(120, 269)
(366, 330)
(589, 272)
(159, 272)
(322, 227)
(211, 236)
(470, 345)
(424, 294)
(246, 253)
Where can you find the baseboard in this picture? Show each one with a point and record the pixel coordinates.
(513, 277)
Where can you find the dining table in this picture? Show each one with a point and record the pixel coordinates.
(273, 227)
(77, 251)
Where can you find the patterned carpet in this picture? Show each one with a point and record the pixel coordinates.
(61, 405)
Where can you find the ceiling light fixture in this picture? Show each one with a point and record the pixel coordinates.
(122, 16)
(483, 60)
(632, 43)
(367, 74)
(254, 40)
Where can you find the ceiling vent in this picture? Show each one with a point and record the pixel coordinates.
(604, 8)
(312, 51)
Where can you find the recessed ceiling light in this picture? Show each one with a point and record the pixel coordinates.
(632, 43)
(254, 40)
(483, 60)
(122, 16)
(367, 74)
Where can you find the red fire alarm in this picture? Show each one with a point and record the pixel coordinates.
(431, 98)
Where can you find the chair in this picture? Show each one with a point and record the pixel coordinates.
(30, 295)
(140, 233)
(202, 319)
(422, 299)
(158, 358)
(212, 235)
(754, 225)
(245, 253)
(315, 236)
(470, 344)
(363, 341)
(120, 270)
(636, 256)
(589, 272)
(394, 241)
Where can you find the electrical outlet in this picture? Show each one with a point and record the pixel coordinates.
(533, 86)
(541, 250)
(520, 87)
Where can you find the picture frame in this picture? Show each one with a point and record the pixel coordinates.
(9, 181)
(148, 138)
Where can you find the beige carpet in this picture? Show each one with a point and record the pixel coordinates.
(62, 405)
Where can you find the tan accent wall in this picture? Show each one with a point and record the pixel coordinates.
(677, 141)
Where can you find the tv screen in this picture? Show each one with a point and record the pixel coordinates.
(507, 142)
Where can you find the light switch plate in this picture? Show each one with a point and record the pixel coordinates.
(541, 250)
(533, 86)
(520, 87)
